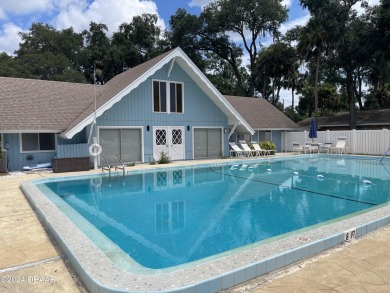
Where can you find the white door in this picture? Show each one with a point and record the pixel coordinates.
(170, 140)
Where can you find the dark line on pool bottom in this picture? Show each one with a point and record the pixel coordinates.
(300, 189)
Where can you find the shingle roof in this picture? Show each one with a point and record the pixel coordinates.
(34, 105)
(115, 85)
(363, 118)
(261, 114)
(39, 105)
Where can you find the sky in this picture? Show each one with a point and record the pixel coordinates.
(18, 15)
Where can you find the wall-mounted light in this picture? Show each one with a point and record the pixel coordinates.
(188, 128)
(147, 128)
(225, 130)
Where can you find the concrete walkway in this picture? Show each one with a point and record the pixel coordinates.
(30, 260)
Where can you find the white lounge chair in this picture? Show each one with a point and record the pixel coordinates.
(311, 147)
(246, 148)
(235, 149)
(259, 150)
(326, 147)
(297, 148)
(340, 146)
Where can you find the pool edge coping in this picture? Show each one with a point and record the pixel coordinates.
(99, 274)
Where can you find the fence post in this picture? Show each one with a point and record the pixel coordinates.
(353, 141)
(327, 136)
(385, 140)
(305, 136)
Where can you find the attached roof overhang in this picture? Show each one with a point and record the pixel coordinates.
(179, 57)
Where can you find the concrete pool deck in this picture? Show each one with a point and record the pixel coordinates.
(31, 260)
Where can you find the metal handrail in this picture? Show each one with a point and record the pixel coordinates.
(121, 166)
(108, 167)
(384, 155)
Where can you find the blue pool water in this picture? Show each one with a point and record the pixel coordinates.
(171, 217)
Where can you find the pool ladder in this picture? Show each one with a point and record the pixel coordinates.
(384, 155)
(118, 166)
(106, 166)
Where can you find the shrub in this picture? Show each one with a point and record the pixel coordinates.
(132, 164)
(268, 145)
(152, 161)
(164, 158)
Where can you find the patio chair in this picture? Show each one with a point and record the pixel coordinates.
(325, 147)
(297, 148)
(259, 150)
(311, 147)
(246, 148)
(235, 149)
(340, 146)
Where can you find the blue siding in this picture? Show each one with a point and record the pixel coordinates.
(277, 139)
(80, 137)
(16, 159)
(136, 109)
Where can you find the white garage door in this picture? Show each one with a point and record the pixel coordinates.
(123, 142)
(207, 143)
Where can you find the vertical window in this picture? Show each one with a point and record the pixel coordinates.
(156, 96)
(173, 97)
(179, 98)
(163, 97)
(38, 142)
(167, 96)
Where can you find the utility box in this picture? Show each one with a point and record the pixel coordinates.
(60, 165)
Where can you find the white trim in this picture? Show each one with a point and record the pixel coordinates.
(175, 53)
(232, 131)
(171, 66)
(37, 151)
(126, 127)
(207, 127)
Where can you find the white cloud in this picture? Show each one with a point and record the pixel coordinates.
(110, 12)
(24, 7)
(62, 14)
(360, 10)
(287, 3)
(203, 3)
(9, 38)
(292, 23)
(200, 3)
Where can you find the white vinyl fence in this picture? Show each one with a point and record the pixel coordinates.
(365, 142)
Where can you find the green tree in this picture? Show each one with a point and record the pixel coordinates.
(277, 62)
(250, 20)
(184, 33)
(50, 54)
(97, 46)
(323, 32)
(212, 31)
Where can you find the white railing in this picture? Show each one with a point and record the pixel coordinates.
(366, 142)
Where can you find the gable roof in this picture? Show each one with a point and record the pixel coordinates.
(29, 105)
(367, 118)
(122, 84)
(32, 105)
(261, 114)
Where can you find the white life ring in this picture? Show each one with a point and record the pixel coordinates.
(95, 150)
(96, 182)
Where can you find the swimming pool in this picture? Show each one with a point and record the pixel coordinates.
(231, 222)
